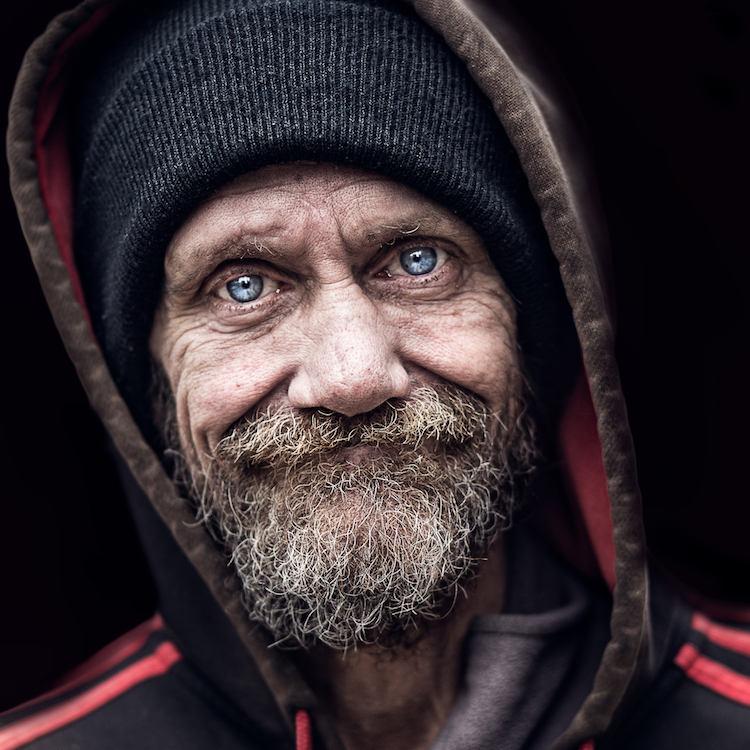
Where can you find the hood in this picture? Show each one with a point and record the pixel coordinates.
(597, 528)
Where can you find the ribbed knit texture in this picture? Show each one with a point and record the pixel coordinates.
(202, 91)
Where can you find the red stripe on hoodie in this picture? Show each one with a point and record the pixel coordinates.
(102, 661)
(722, 635)
(713, 675)
(58, 716)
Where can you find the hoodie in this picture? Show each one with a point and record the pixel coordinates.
(666, 674)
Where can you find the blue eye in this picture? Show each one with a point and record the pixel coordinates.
(245, 288)
(417, 261)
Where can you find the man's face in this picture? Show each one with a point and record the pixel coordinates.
(327, 294)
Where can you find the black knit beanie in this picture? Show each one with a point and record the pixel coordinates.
(197, 92)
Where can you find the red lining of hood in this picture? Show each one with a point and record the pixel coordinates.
(578, 438)
(585, 477)
(51, 148)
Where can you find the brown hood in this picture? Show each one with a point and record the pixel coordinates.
(594, 439)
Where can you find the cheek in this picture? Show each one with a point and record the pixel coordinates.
(218, 383)
(472, 345)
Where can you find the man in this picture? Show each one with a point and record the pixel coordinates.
(332, 293)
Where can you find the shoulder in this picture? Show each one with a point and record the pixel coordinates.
(700, 696)
(138, 692)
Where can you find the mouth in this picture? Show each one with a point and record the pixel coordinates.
(358, 454)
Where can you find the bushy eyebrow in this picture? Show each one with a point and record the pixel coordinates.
(245, 246)
(403, 228)
(425, 222)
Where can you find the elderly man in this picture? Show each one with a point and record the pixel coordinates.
(327, 268)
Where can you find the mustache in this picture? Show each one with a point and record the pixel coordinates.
(444, 414)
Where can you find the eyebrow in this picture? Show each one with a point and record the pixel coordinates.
(421, 222)
(211, 254)
(403, 228)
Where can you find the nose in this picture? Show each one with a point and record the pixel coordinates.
(350, 365)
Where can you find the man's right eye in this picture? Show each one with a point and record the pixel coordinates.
(247, 288)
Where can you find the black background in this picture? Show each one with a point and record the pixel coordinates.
(663, 87)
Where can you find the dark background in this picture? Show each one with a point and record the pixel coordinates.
(663, 87)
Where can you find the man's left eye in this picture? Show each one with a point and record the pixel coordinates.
(417, 261)
(248, 287)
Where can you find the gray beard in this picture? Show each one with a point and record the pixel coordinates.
(355, 531)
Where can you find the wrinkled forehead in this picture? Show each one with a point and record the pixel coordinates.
(260, 208)
(303, 217)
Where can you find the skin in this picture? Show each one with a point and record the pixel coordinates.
(340, 325)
